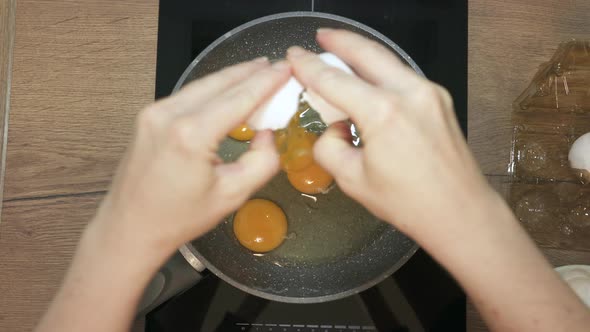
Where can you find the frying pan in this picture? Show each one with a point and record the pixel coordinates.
(334, 247)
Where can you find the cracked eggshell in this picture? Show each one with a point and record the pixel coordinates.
(276, 113)
(328, 112)
(578, 278)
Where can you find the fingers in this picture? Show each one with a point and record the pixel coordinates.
(336, 155)
(197, 92)
(238, 180)
(371, 60)
(232, 107)
(357, 98)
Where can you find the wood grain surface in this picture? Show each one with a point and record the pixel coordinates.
(7, 30)
(81, 71)
(508, 40)
(37, 241)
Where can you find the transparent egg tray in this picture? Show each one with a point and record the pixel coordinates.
(550, 198)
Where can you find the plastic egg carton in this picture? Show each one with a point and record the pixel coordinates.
(560, 85)
(550, 114)
(546, 194)
(540, 146)
(556, 214)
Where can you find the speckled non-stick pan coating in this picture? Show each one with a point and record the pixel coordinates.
(334, 247)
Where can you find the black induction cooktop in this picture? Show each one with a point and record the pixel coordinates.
(420, 296)
(432, 32)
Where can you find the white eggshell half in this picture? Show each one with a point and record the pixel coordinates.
(334, 61)
(578, 278)
(579, 155)
(276, 113)
(328, 112)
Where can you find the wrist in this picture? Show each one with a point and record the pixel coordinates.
(468, 215)
(108, 274)
(119, 242)
(486, 231)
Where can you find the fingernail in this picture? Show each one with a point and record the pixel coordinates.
(323, 30)
(262, 59)
(280, 65)
(295, 51)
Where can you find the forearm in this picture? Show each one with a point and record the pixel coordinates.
(506, 276)
(103, 285)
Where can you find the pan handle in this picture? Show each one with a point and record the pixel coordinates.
(175, 277)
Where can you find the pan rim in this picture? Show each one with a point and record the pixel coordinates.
(194, 257)
(188, 251)
(273, 17)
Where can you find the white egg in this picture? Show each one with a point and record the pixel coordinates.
(578, 278)
(334, 61)
(579, 155)
(581, 287)
(276, 113)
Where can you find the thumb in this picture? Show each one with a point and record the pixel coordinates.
(238, 180)
(334, 152)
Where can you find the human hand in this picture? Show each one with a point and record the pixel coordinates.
(171, 186)
(414, 169)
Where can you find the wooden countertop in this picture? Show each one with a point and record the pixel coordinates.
(82, 69)
(508, 40)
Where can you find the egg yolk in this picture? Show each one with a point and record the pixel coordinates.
(242, 133)
(299, 155)
(312, 180)
(295, 146)
(260, 225)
